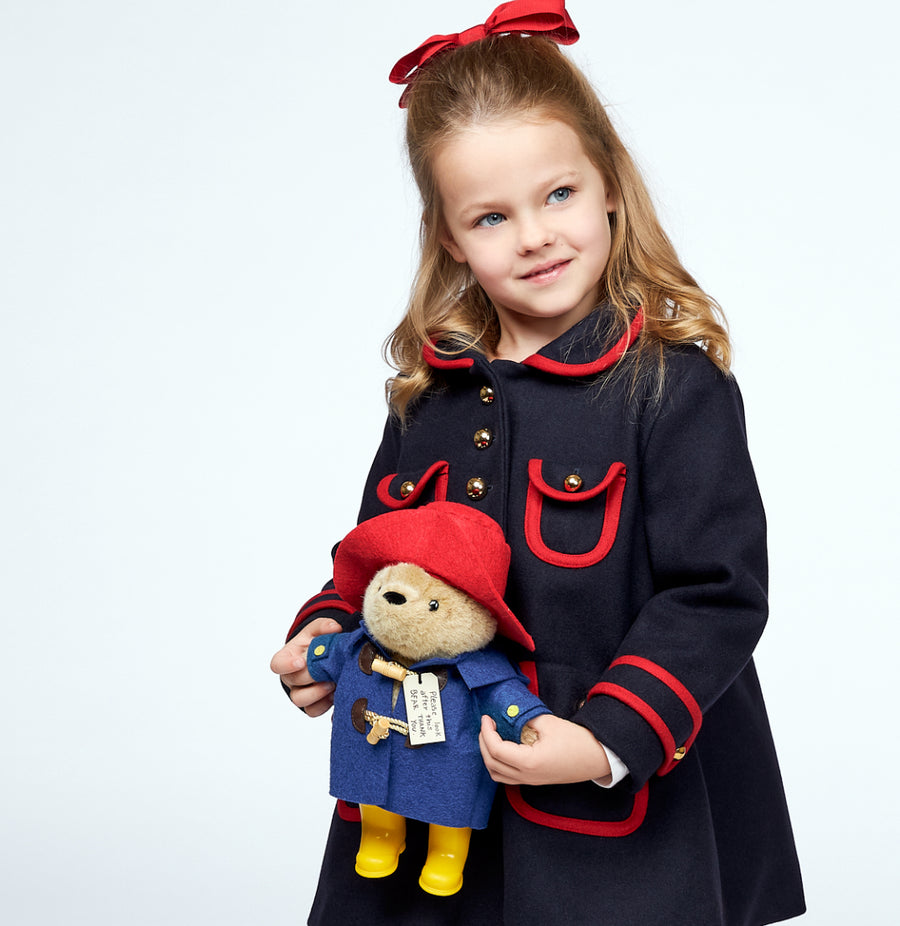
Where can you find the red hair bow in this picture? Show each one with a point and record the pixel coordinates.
(544, 17)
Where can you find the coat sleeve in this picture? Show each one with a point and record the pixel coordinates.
(501, 692)
(705, 535)
(327, 602)
(328, 653)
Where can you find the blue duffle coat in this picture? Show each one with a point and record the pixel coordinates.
(444, 782)
(639, 568)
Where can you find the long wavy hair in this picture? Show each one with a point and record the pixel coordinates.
(529, 77)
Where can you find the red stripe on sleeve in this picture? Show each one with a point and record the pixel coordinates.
(319, 604)
(639, 706)
(678, 689)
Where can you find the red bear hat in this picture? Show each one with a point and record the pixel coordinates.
(457, 544)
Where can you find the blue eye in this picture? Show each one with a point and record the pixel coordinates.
(490, 220)
(560, 195)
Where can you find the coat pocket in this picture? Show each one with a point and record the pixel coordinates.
(409, 489)
(569, 508)
(583, 807)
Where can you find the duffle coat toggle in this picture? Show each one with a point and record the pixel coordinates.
(382, 726)
(372, 660)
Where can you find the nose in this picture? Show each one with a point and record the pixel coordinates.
(534, 233)
(394, 598)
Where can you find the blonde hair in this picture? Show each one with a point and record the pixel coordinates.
(515, 76)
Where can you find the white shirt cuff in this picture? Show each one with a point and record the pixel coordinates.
(617, 767)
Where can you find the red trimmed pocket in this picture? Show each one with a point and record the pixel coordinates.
(635, 810)
(565, 805)
(406, 490)
(566, 504)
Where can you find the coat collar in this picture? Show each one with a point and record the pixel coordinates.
(582, 351)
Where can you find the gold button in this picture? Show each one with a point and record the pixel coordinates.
(483, 438)
(679, 753)
(512, 710)
(487, 395)
(573, 482)
(476, 488)
(319, 650)
(407, 489)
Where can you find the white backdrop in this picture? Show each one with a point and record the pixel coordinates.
(206, 230)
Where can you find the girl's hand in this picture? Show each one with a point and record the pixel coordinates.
(564, 752)
(290, 664)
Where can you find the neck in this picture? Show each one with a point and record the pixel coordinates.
(518, 341)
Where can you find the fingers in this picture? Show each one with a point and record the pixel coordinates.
(290, 664)
(317, 627)
(488, 738)
(312, 630)
(290, 661)
(507, 763)
(315, 698)
(564, 752)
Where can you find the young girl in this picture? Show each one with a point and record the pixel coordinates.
(562, 372)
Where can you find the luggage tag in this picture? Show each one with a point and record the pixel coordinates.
(422, 693)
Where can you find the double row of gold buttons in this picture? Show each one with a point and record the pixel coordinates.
(476, 487)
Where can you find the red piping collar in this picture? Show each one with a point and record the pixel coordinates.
(545, 364)
(610, 358)
(441, 363)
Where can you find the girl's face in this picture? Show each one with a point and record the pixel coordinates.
(527, 210)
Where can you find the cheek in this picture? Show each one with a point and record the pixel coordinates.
(597, 237)
(488, 260)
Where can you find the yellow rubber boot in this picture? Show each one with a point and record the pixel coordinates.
(448, 847)
(383, 839)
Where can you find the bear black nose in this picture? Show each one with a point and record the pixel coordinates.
(394, 598)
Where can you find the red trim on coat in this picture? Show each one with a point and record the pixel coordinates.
(529, 669)
(609, 828)
(640, 706)
(611, 357)
(439, 363)
(679, 690)
(319, 604)
(614, 486)
(438, 471)
(348, 812)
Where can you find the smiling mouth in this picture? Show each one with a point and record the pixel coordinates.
(548, 273)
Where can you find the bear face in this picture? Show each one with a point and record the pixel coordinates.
(416, 616)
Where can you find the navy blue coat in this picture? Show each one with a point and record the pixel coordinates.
(445, 782)
(639, 568)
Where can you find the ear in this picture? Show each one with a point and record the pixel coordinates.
(612, 202)
(450, 246)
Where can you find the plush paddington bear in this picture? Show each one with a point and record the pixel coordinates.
(415, 679)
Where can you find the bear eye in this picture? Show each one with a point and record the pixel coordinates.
(434, 604)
